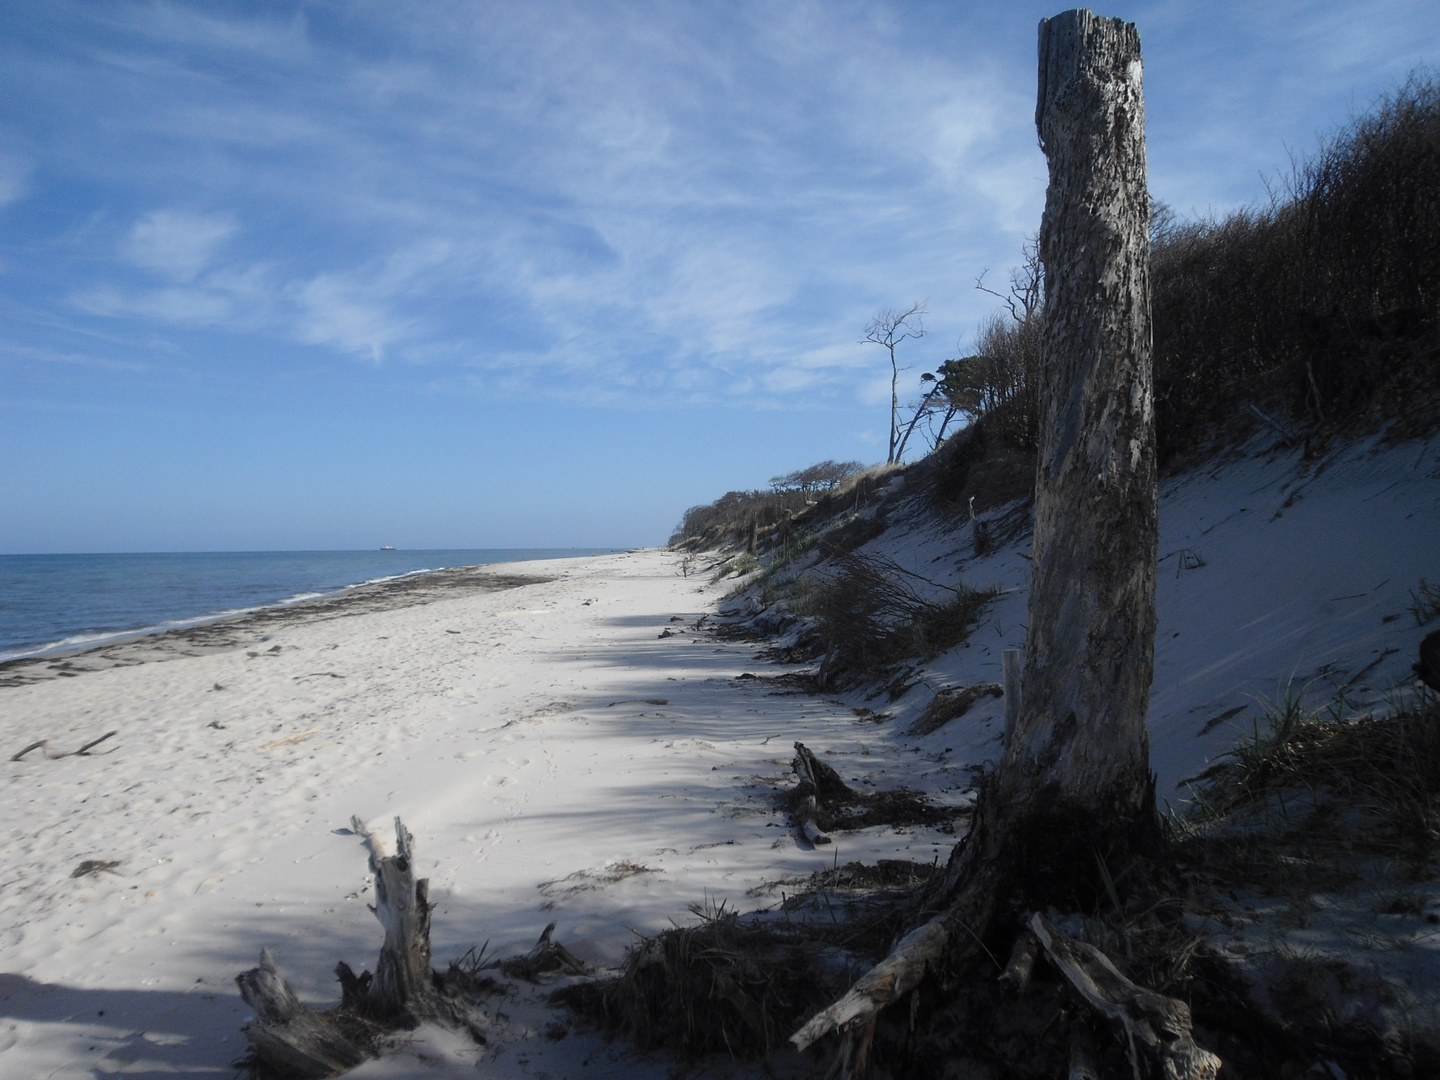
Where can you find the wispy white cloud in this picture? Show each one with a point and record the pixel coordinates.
(177, 244)
(172, 304)
(334, 312)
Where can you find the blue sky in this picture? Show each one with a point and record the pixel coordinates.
(332, 275)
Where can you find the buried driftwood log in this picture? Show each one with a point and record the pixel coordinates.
(807, 770)
(821, 803)
(818, 782)
(1156, 1027)
(546, 956)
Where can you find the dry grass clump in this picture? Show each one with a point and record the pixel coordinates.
(839, 807)
(742, 985)
(1375, 779)
(870, 613)
(726, 984)
(1424, 603)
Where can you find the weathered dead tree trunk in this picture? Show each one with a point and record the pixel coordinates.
(1075, 775)
(1080, 742)
(292, 1040)
(403, 989)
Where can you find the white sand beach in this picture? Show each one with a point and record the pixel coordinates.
(565, 744)
(554, 756)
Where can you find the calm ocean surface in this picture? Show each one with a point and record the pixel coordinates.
(58, 603)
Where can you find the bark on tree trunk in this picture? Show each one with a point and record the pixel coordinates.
(1080, 740)
(1075, 775)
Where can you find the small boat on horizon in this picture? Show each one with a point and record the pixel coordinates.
(387, 547)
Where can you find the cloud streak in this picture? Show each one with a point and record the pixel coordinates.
(650, 202)
(177, 244)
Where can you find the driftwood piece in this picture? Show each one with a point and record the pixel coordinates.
(1021, 965)
(84, 751)
(289, 1038)
(887, 981)
(545, 957)
(1155, 1026)
(948, 705)
(818, 782)
(403, 988)
(94, 743)
(94, 866)
(33, 746)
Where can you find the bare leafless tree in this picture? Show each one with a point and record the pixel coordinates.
(888, 329)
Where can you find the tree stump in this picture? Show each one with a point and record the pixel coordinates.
(403, 989)
(290, 1039)
(816, 781)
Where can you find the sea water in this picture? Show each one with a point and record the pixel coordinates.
(60, 603)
